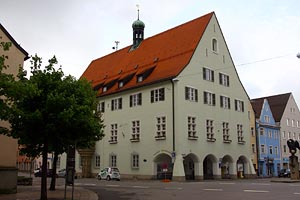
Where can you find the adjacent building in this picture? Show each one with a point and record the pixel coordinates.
(173, 106)
(287, 116)
(8, 146)
(268, 139)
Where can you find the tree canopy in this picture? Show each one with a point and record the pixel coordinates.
(49, 111)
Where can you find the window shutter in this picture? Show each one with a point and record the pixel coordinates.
(242, 103)
(229, 103)
(212, 76)
(196, 95)
(152, 96)
(214, 99)
(120, 103)
(140, 99)
(205, 97)
(112, 105)
(227, 80)
(220, 78)
(162, 94)
(221, 101)
(186, 93)
(235, 104)
(130, 101)
(204, 73)
(102, 107)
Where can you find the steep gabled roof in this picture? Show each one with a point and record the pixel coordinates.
(14, 42)
(277, 104)
(162, 57)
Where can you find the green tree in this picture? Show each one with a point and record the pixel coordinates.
(50, 112)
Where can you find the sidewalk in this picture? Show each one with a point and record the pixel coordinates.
(33, 193)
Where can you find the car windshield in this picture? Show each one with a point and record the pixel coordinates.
(115, 170)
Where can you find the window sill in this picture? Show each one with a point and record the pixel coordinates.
(160, 137)
(192, 137)
(134, 140)
(241, 142)
(113, 142)
(227, 141)
(210, 139)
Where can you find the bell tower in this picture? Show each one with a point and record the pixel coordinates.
(138, 31)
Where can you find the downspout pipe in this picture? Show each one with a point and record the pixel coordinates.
(173, 111)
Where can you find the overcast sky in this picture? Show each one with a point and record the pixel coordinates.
(263, 36)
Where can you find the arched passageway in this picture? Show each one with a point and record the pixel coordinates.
(190, 164)
(226, 167)
(163, 166)
(209, 167)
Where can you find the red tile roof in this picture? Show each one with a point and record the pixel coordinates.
(168, 52)
(277, 104)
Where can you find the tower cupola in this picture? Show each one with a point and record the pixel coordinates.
(138, 31)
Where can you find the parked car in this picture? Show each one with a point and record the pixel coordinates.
(109, 173)
(284, 173)
(61, 173)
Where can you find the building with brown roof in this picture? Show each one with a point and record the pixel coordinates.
(287, 116)
(8, 146)
(173, 106)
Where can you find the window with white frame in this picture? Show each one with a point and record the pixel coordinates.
(208, 74)
(97, 161)
(284, 148)
(135, 161)
(116, 104)
(224, 79)
(157, 95)
(135, 128)
(239, 105)
(101, 107)
(225, 126)
(240, 133)
(210, 130)
(270, 150)
(289, 135)
(161, 127)
(113, 160)
(297, 124)
(225, 102)
(262, 149)
(209, 98)
(261, 131)
(283, 134)
(214, 44)
(253, 148)
(293, 125)
(267, 119)
(191, 94)
(192, 127)
(270, 133)
(276, 150)
(287, 121)
(135, 100)
(113, 133)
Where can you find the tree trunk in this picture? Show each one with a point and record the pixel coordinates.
(44, 172)
(53, 179)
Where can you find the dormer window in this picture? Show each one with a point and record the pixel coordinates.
(139, 78)
(214, 45)
(104, 89)
(121, 84)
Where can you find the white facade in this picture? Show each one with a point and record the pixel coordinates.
(204, 138)
(290, 129)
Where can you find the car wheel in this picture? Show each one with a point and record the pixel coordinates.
(118, 179)
(108, 178)
(99, 177)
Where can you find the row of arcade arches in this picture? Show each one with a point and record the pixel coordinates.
(210, 167)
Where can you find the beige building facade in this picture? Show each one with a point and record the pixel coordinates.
(8, 146)
(181, 117)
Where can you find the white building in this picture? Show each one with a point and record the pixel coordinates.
(173, 105)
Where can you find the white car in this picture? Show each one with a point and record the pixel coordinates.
(109, 173)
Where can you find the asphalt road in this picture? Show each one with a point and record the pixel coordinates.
(258, 189)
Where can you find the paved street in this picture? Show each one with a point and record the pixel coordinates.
(259, 189)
